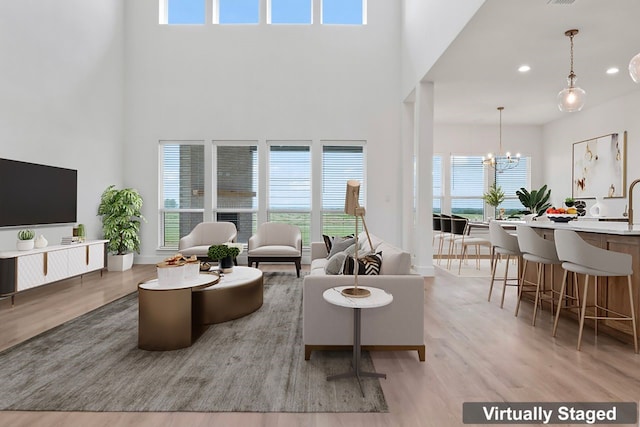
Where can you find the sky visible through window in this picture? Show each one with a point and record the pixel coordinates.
(346, 12)
(290, 11)
(342, 12)
(186, 12)
(239, 11)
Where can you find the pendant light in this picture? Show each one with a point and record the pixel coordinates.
(501, 162)
(634, 68)
(571, 98)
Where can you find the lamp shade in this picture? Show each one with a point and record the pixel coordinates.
(351, 197)
(634, 68)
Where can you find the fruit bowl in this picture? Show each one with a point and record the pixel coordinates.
(561, 217)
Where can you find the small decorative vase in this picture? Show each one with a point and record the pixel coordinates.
(226, 264)
(598, 209)
(41, 242)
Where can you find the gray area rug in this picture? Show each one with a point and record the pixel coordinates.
(252, 364)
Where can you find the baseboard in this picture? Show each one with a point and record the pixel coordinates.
(419, 348)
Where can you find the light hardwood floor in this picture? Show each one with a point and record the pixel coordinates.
(475, 352)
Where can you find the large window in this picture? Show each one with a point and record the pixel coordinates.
(290, 186)
(340, 163)
(510, 181)
(249, 182)
(237, 187)
(467, 187)
(345, 12)
(237, 12)
(289, 12)
(182, 190)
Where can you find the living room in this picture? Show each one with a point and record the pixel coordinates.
(99, 86)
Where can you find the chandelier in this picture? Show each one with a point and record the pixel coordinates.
(572, 98)
(501, 162)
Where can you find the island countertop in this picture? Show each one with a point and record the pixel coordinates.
(619, 228)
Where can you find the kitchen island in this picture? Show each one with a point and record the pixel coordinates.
(612, 291)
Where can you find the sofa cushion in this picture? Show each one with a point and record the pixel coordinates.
(396, 261)
(341, 245)
(330, 240)
(363, 242)
(335, 263)
(367, 265)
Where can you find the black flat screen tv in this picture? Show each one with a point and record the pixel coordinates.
(32, 194)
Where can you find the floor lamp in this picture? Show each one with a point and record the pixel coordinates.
(352, 207)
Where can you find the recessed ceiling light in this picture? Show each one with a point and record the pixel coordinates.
(524, 68)
(613, 70)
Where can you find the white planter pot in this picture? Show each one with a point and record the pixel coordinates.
(24, 245)
(119, 262)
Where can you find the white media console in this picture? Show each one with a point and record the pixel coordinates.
(22, 270)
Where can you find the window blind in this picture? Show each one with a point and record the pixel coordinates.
(512, 180)
(467, 176)
(237, 176)
(339, 165)
(183, 176)
(290, 178)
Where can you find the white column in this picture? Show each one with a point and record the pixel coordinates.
(408, 176)
(423, 123)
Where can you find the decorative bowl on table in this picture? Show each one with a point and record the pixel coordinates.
(562, 217)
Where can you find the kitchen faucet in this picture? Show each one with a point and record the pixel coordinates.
(633, 184)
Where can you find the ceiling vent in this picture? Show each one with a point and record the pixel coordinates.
(561, 1)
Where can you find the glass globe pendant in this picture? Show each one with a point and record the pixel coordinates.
(634, 68)
(572, 98)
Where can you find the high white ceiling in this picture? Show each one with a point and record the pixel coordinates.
(479, 70)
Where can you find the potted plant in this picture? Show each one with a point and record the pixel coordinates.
(121, 215)
(25, 239)
(494, 196)
(537, 201)
(569, 201)
(224, 254)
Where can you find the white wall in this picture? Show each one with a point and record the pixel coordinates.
(428, 27)
(261, 82)
(61, 82)
(617, 115)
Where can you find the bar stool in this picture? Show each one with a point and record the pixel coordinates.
(502, 243)
(543, 252)
(580, 257)
(467, 241)
(437, 227)
(445, 231)
(458, 229)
